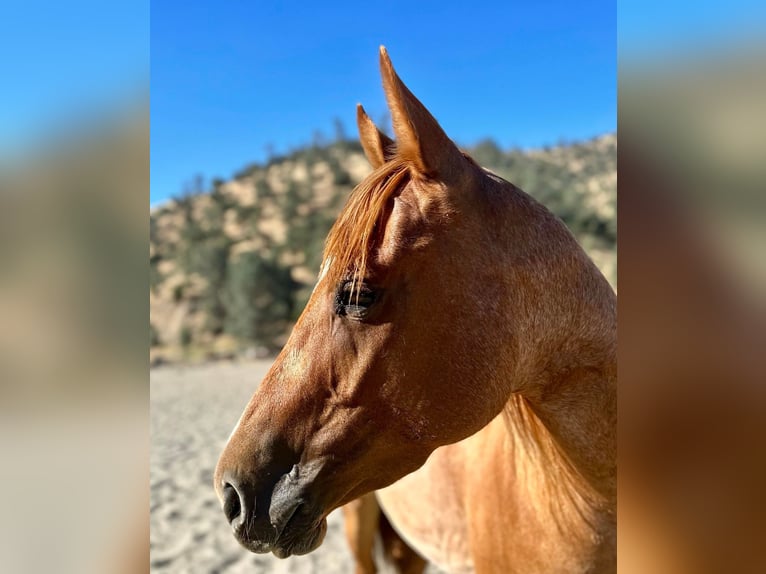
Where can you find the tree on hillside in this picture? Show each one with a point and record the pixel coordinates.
(204, 251)
(210, 261)
(487, 154)
(340, 130)
(155, 276)
(258, 299)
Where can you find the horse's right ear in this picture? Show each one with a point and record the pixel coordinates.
(419, 137)
(377, 146)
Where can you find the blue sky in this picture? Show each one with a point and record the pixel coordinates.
(230, 78)
(656, 30)
(64, 61)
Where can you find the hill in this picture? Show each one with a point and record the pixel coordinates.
(232, 264)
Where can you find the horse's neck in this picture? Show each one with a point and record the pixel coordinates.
(561, 360)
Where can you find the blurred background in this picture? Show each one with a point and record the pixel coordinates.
(692, 112)
(253, 152)
(74, 190)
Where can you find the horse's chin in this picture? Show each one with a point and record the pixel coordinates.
(299, 542)
(293, 542)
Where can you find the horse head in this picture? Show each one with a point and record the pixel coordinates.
(433, 297)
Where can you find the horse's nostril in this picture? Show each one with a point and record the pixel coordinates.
(232, 504)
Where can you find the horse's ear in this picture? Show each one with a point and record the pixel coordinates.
(419, 137)
(377, 146)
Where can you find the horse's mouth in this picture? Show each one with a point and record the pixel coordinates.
(300, 541)
(302, 534)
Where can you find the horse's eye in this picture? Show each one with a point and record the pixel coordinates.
(354, 299)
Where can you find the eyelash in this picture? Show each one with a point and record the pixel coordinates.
(354, 301)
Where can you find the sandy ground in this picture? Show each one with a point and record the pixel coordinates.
(193, 410)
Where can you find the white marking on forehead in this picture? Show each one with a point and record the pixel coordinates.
(323, 271)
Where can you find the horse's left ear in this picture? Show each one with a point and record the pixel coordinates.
(377, 146)
(419, 137)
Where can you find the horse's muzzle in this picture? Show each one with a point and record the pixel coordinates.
(284, 522)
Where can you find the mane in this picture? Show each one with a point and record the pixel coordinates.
(356, 231)
(536, 451)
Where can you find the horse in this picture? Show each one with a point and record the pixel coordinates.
(451, 379)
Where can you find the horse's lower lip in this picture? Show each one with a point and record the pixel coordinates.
(297, 536)
(285, 549)
(299, 542)
(258, 547)
(282, 552)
